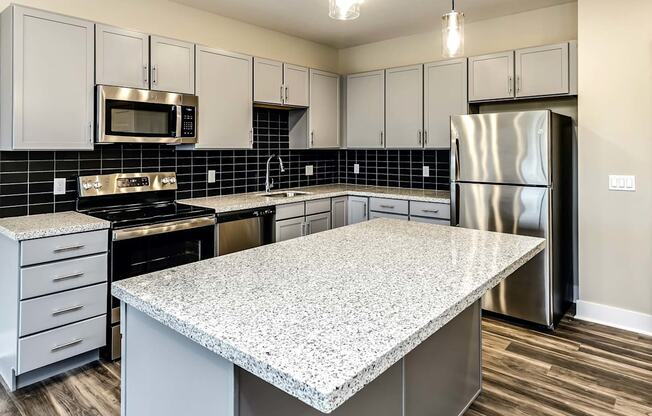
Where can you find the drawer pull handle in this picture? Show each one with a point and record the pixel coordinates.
(67, 310)
(68, 248)
(67, 345)
(68, 276)
(434, 211)
(388, 206)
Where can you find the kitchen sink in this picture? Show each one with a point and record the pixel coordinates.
(284, 194)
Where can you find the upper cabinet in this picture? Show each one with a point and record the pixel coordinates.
(121, 57)
(282, 84)
(404, 107)
(224, 90)
(549, 70)
(365, 110)
(172, 65)
(296, 85)
(491, 77)
(444, 96)
(47, 84)
(324, 120)
(543, 70)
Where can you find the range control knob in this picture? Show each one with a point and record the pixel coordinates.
(173, 180)
(87, 185)
(97, 185)
(165, 181)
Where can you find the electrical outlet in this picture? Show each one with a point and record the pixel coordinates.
(310, 170)
(426, 171)
(622, 183)
(211, 176)
(356, 168)
(59, 186)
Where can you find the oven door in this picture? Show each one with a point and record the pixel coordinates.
(140, 250)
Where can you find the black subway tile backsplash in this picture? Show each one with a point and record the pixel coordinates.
(26, 178)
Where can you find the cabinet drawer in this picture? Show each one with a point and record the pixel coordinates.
(317, 206)
(430, 220)
(62, 275)
(394, 206)
(63, 247)
(290, 211)
(430, 209)
(374, 215)
(62, 308)
(61, 343)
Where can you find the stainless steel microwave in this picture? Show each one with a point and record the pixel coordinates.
(130, 115)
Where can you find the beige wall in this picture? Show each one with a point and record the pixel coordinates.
(170, 19)
(615, 137)
(537, 27)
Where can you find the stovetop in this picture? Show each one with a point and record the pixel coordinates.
(145, 214)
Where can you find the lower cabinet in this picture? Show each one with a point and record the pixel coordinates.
(318, 223)
(357, 209)
(373, 215)
(289, 229)
(339, 214)
(308, 218)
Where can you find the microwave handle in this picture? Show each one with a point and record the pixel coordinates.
(178, 132)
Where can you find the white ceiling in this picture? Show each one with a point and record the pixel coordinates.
(379, 19)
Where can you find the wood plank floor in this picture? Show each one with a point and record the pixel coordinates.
(581, 369)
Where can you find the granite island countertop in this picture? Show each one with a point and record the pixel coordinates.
(322, 316)
(48, 225)
(252, 200)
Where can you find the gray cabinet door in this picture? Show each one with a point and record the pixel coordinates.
(430, 220)
(404, 107)
(289, 229)
(339, 214)
(173, 65)
(296, 83)
(324, 119)
(491, 77)
(373, 215)
(268, 81)
(121, 57)
(542, 70)
(358, 209)
(365, 110)
(445, 86)
(225, 99)
(318, 223)
(53, 81)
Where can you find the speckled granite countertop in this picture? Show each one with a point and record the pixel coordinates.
(322, 316)
(255, 200)
(48, 225)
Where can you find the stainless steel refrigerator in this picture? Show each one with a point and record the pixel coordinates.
(514, 173)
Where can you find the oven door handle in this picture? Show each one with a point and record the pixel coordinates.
(165, 227)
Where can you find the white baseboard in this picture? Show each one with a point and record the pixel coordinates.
(615, 317)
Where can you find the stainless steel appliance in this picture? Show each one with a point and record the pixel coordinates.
(242, 230)
(149, 230)
(129, 115)
(513, 173)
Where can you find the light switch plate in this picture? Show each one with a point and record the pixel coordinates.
(622, 183)
(310, 170)
(356, 168)
(426, 171)
(211, 176)
(59, 186)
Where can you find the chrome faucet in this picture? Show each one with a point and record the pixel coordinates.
(269, 182)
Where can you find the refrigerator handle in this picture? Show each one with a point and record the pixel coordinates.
(455, 159)
(455, 204)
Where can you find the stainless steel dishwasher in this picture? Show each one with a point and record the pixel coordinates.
(241, 230)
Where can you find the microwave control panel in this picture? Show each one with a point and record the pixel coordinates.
(188, 121)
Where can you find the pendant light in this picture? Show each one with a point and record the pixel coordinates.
(344, 9)
(452, 33)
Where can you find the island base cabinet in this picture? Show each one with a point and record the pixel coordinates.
(441, 376)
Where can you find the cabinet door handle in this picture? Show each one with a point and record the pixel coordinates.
(68, 248)
(251, 138)
(146, 75)
(518, 83)
(282, 93)
(425, 137)
(67, 345)
(419, 136)
(388, 206)
(154, 76)
(312, 138)
(381, 138)
(364, 208)
(67, 310)
(308, 228)
(287, 95)
(432, 211)
(90, 132)
(68, 276)
(509, 84)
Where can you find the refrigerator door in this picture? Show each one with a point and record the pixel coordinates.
(508, 148)
(526, 294)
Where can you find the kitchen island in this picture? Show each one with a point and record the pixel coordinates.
(378, 318)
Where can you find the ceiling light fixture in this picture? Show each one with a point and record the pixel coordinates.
(452, 33)
(344, 9)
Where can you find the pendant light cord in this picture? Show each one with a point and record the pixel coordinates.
(453, 1)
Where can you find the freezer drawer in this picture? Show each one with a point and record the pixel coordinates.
(527, 293)
(506, 148)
